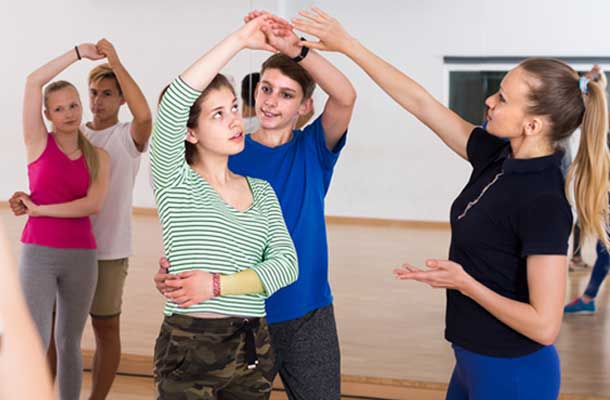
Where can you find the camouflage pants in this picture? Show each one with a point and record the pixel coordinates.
(200, 359)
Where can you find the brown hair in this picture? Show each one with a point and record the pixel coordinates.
(219, 81)
(163, 91)
(85, 146)
(248, 84)
(555, 92)
(103, 71)
(292, 70)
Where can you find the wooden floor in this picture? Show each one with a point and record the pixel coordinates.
(391, 332)
(141, 388)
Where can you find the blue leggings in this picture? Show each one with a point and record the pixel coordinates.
(536, 376)
(600, 270)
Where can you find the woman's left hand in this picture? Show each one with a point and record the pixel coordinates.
(442, 274)
(31, 208)
(331, 34)
(190, 287)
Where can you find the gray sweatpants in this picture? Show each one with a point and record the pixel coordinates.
(307, 355)
(66, 277)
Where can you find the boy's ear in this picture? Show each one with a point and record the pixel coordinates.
(306, 106)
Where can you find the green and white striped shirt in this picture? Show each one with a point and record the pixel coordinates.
(201, 231)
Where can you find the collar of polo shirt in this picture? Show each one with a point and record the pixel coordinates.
(528, 165)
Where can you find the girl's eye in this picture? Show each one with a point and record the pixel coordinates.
(217, 115)
(287, 95)
(501, 98)
(266, 89)
(235, 108)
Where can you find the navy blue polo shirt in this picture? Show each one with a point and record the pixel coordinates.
(510, 209)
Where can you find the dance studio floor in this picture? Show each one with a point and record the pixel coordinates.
(391, 332)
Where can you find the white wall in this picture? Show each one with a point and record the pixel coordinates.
(155, 39)
(393, 167)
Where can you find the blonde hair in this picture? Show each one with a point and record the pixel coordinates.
(591, 166)
(556, 93)
(84, 145)
(103, 71)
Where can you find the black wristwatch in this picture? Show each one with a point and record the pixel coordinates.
(303, 54)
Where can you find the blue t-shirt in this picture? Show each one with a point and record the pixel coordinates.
(300, 172)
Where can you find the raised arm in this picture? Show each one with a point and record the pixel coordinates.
(167, 150)
(89, 205)
(34, 129)
(450, 127)
(339, 106)
(141, 126)
(203, 70)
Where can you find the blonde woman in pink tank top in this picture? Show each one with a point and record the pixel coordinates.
(68, 182)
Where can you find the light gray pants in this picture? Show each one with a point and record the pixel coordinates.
(68, 277)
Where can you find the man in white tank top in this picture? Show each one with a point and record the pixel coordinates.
(111, 86)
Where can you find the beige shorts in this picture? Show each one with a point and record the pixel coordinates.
(108, 296)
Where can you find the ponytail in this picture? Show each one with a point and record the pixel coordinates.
(90, 154)
(570, 102)
(590, 170)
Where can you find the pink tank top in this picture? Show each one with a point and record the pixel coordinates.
(54, 178)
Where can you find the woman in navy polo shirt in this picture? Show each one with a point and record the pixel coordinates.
(506, 273)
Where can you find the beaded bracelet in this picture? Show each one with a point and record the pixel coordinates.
(216, 284)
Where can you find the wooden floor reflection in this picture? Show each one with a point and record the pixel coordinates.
(390, 331)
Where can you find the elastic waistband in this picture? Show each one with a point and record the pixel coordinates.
(544, 351)
(196, 325)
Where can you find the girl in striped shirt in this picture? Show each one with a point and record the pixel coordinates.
(223, 231)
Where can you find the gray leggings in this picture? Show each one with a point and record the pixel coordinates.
(68, 277)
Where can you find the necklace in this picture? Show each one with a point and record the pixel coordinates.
(67, 153)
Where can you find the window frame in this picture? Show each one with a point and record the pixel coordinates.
(479, 64)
